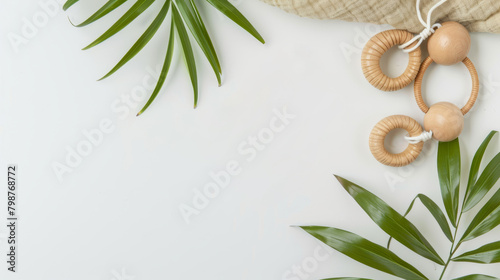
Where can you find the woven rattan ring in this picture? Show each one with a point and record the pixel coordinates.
(380, 131)
(418, 85)
(373, 51)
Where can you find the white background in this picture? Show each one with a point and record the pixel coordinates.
(116, 215)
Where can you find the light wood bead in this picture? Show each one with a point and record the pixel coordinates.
(373, 51)
(445, 120)
(449, 44)
(380, 131)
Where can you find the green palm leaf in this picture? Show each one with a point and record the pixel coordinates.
(104, 10)
(390, 221)
(194, 22)
(143, 40)
(448, 163)
(165, 68)
(187, 50)
(231, 12)
(69, 3)
(485, 220)
(184, 12)
(477, 277)
(489, 253)
(365, 252)
(476, 163)
(486, 181)
(137, 9)
(436, 213)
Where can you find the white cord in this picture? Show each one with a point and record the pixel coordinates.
(426, 135)
(428, 30)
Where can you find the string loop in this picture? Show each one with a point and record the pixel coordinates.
(429, 28)
(426, 135)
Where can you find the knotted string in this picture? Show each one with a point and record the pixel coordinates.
(429, 28)
(426, 135)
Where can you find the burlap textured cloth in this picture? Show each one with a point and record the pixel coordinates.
(475, 15)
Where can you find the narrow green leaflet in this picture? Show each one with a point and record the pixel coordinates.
(476, 162)
(389, 220)
(448, 163)
(68, 4)
(489, 253)
(164, 70)
(486, 181)
(485, 220)
(225, 7)
(365, 252)
(143, 40)
(194, 22)
(104, 10)
(187, 50)
(477, 277)
(138, 8)
(436, 213)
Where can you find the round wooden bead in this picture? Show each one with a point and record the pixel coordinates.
(450, 43)
(445, 120)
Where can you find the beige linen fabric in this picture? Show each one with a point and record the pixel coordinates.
(476, 15)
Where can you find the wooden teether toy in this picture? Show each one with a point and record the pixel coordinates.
(449, 43)
(373, 51)
(380, 131)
